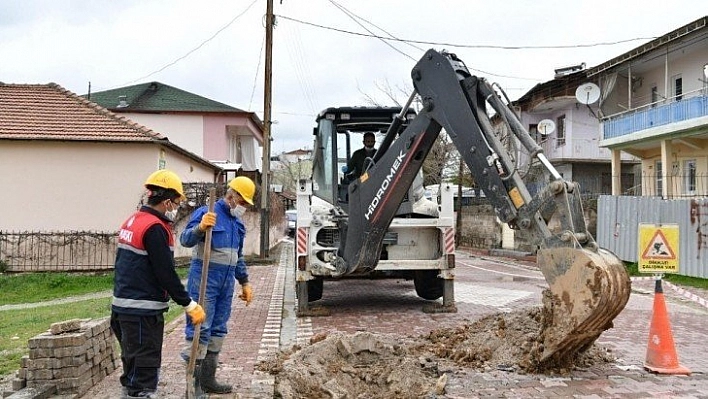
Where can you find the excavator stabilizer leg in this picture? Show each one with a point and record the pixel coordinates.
(587, 290)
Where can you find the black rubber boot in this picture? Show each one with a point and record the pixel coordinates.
(208, 375)
(198, 390)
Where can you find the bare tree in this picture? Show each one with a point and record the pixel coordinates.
(437, 166)
(287, 171)
(392, 94)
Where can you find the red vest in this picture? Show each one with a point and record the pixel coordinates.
(132, 231)
(135, 290)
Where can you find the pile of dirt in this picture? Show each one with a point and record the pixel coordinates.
(507, 342)
(367, 365)
(360, 365)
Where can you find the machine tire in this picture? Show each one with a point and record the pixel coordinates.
(428, 285)
(314, 289)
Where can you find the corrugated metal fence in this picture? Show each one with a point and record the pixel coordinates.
(618, 219)
(34, 251)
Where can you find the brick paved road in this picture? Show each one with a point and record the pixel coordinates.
(483, 286)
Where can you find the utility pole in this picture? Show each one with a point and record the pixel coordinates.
(265, 187)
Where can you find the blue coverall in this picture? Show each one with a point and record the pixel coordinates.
(226, 265)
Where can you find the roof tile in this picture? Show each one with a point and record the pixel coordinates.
(157, 97)
(48, 111)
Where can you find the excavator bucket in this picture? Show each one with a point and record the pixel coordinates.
(588, 289)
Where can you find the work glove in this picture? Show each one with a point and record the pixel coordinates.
(246, 294)
(208, 220)
(195, 312)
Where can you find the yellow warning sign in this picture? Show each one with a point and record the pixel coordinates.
(658, 248)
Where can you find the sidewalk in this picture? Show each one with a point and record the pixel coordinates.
(254, 331)
(95, 295)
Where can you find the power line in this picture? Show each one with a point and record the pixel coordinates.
(300, 66)
(443, 44)
(355, 17)
(258, 68)
(379, 28)
(455, 45)
(352, 15)
(196, 48)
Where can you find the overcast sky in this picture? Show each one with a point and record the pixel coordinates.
(324, 52)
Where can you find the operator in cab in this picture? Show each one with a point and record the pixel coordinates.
(355, 167)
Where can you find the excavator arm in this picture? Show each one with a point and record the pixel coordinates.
(588, 286)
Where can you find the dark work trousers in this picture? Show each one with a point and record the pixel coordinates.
(140, 339)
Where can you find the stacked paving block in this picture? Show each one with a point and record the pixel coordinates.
(72, 356)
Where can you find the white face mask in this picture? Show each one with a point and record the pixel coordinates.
(171, 215)
(238, 211)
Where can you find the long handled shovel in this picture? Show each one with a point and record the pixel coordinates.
(191, 381)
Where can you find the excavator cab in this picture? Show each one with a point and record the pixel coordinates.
(339, 133)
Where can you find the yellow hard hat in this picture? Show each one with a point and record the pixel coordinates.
(166, 179)
(245, 187)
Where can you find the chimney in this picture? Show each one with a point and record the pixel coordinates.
(568, 70)
(122, 102)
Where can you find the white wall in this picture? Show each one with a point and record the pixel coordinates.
(187, 131)
(50, 186)
(582, 134)
(688, 64)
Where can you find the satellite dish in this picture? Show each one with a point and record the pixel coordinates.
(546, 127)
(587, 93)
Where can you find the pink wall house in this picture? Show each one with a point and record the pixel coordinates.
(225, 135)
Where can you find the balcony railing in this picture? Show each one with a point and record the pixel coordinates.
(687, 106)
(690, 185)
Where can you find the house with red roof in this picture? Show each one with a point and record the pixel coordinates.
(71, 165)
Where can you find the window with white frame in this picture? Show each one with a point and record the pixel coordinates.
(689, 176)
(234, 148)
(678, 86)
(560, 131)
(533, 131)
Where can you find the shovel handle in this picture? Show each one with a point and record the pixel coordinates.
(202, 291)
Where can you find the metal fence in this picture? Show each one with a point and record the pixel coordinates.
(686, 183)
(35, 251)
(618, 228)
(683, 181)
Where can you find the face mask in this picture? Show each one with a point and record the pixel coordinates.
(238, 211)
(171, 215)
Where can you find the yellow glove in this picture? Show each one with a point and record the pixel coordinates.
(246, 294)
(195, 312)
(208, 220)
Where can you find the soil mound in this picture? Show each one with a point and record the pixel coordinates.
(507, 342)
(362, 365)
(368, 365)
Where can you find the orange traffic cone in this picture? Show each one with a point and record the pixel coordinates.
(661, 352)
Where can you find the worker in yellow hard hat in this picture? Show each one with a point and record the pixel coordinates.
(145, 278)
(226, 266)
